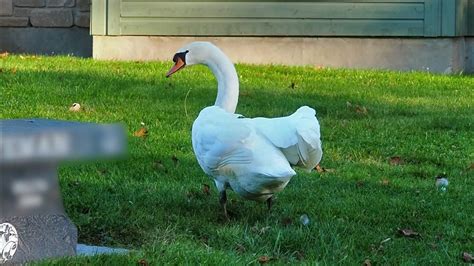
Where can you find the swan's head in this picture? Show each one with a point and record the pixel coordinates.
(192, 54)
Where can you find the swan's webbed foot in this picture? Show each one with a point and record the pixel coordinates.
(223, 202)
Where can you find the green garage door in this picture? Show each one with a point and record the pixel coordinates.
(281, 18)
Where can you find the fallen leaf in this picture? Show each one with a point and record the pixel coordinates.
(367, 262)
(320, 169)
(356, 108)
(141, 133)
(471, 167)
(102, 171)
(206, 189)
(360, 109)
(158, 165)
(263, 259)
(385, 182)
(240, 249)
(4, 54)
(467, 257)
(408, 233)
(299, 255)
(396, 160)
(143, 262)
(75, 107)
(260, 231)
(286, 221)
(175, 160)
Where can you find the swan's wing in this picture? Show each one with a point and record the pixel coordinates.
(228, 146)
(218, 142)
(297, 135)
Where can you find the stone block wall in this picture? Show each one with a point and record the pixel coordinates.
(45, 27)
(45, 13)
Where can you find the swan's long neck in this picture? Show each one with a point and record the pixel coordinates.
(228, 82)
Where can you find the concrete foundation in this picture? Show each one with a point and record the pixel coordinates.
(440, 55)
(50, 41)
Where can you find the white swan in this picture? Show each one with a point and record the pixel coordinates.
(253, 157)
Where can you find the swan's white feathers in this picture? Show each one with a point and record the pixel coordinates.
(298, 135)
(253, 156)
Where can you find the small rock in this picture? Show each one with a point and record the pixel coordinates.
(75, 107)
(441, 183)
(304, 219)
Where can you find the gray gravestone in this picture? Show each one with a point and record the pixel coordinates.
(33, 224)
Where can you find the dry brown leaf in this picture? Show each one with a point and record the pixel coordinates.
(299, 255)
(175, 160)
(286, 221)
(206, 189)
(320, 169)
(263, 259)
(360, 109)
(158, 165)
(467, 257)
(102, 171)
(367, 262)
(141, 133)
(396, 160)
(471, 167)
(4, 54)
(143, 262)
(385, 182)
(240, 249)
(408, 233)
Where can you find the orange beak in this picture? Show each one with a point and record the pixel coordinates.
(177, 66)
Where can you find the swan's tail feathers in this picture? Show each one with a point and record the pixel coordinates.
(309, 138)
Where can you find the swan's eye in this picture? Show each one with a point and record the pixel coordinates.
(181, 56)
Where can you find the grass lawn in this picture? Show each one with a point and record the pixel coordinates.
(153, 202)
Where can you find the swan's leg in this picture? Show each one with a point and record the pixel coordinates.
(222, 197)
(223, 202)
(270, 203)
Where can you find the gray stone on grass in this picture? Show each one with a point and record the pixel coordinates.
(51, 18)
(30, 3)
(13, 21)
(85, 250)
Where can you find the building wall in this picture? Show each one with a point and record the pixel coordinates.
(45, 26)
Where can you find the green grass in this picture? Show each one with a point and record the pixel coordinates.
(162, 213)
